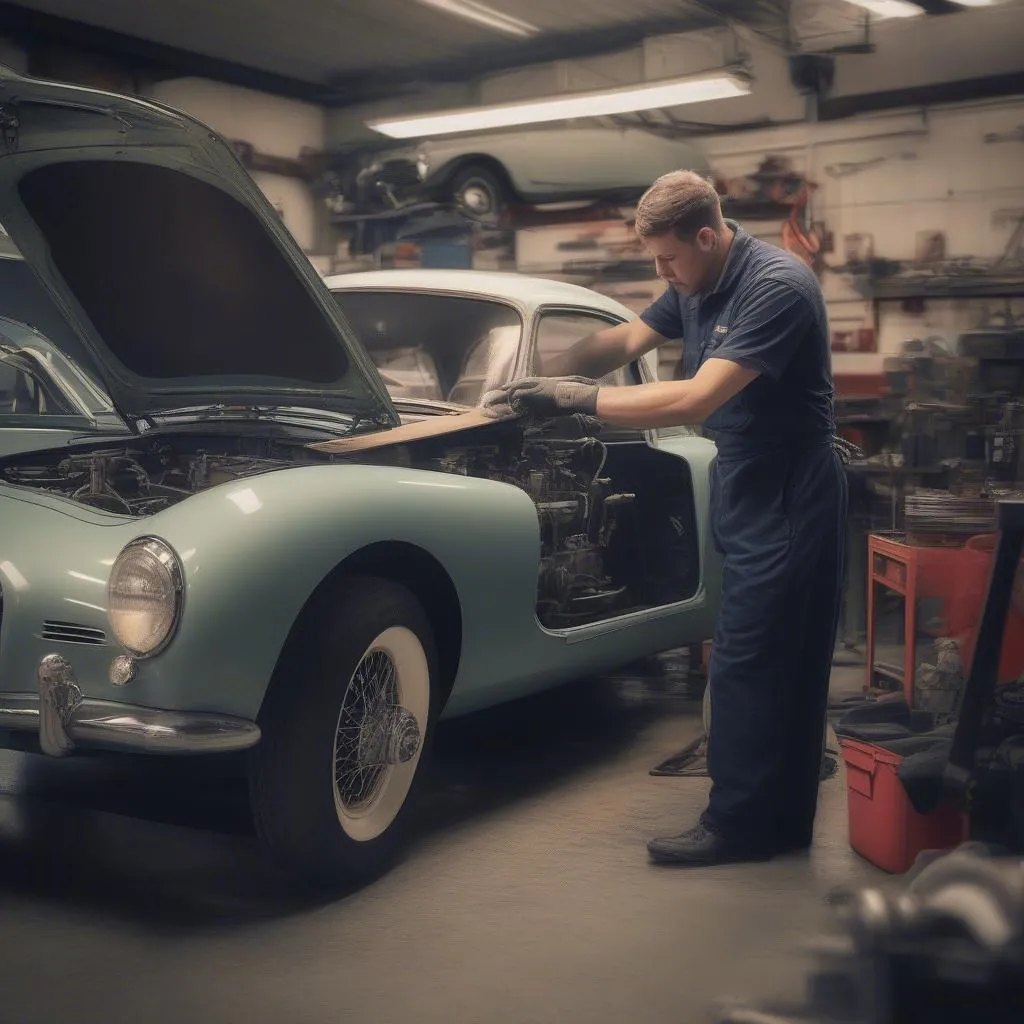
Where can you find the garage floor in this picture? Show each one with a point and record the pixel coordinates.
(135, 892)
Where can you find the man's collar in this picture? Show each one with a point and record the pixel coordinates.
(732, 266)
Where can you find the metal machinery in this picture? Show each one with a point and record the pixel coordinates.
(960, 423)
(945, 948)
(954, 450)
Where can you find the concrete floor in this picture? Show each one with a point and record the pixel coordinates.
(133, 891)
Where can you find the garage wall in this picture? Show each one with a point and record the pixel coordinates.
(887, 176)
(271, 124)
(892, 178)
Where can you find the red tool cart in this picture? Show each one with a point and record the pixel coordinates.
(924, 600)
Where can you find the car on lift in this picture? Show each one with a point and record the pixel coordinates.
(483, 173)
(237, 548)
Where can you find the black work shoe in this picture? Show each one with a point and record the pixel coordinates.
(701, 847)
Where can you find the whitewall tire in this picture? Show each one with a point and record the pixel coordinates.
(347, 725)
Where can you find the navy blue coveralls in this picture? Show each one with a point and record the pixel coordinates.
(778, 512)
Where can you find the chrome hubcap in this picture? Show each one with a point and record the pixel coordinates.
(477, 198)
(403, 737)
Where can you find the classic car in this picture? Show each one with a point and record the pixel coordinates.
(256, 560)
(484, 172)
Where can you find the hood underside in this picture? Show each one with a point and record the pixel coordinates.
(168, 260)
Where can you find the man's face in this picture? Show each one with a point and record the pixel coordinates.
(687, 266)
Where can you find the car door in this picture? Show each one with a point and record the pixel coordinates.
(664, 623)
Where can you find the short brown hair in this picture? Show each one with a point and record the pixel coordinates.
(679, 203)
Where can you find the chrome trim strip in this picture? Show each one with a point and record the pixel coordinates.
(19, 711)
(65, 720)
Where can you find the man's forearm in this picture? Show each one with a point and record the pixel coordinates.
(675, 403)
(669, 403)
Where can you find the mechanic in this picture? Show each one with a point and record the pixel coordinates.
(756, 373)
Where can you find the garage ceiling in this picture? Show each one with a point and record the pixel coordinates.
(341, 50)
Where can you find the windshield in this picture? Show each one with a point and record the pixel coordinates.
(437, 347)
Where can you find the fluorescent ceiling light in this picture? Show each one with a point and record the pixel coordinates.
(977, 3)
(650, 96)
(482, 15)
(889, 8)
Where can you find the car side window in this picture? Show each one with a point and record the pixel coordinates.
(560, 330)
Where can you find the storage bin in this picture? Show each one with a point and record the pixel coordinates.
(884, 827)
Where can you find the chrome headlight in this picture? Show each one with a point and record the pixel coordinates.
(144, 595)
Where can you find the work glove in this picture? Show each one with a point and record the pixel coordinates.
(547, 397)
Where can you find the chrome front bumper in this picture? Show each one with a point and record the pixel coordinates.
(65, 719)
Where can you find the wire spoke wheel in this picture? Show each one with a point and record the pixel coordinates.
(379, 731)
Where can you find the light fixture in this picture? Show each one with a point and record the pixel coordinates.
(889, 8)
(673, 92)
(483, 15)
(977, 3)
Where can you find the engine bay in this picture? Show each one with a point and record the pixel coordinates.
(579, 510)
(617, 532)
(143, 478)
(617, 521)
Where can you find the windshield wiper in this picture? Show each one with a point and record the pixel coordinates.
(280, 414)
(227, 411)
(452, 408)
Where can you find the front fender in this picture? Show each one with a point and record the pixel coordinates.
(254, 551)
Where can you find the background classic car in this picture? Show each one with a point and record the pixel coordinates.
(484, 172)
(210, 579)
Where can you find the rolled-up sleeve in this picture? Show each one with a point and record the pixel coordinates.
(663, 316)
(770, 323)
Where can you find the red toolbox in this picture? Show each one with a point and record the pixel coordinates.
(884, 827)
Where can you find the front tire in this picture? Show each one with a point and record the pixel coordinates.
(478, 193)
(347, 725)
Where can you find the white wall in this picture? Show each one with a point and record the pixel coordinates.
(271, 124)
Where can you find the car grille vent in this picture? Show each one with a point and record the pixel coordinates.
(72, 633)
(399, 174)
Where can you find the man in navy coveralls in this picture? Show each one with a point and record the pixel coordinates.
(757, 375)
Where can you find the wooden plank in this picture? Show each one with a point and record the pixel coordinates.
(434, 426)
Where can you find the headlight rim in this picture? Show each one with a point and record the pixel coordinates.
(169, 558)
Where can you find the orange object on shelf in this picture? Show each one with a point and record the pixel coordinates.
(884, 827)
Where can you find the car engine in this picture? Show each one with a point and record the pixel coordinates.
(136, 482)
(579, 513)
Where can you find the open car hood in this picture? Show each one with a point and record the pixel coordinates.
(168, 260)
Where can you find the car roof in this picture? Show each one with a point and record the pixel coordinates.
(521, 289)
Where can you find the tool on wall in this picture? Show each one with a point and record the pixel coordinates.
(1017, 135)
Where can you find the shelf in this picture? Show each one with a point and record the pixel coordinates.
(943, 288)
